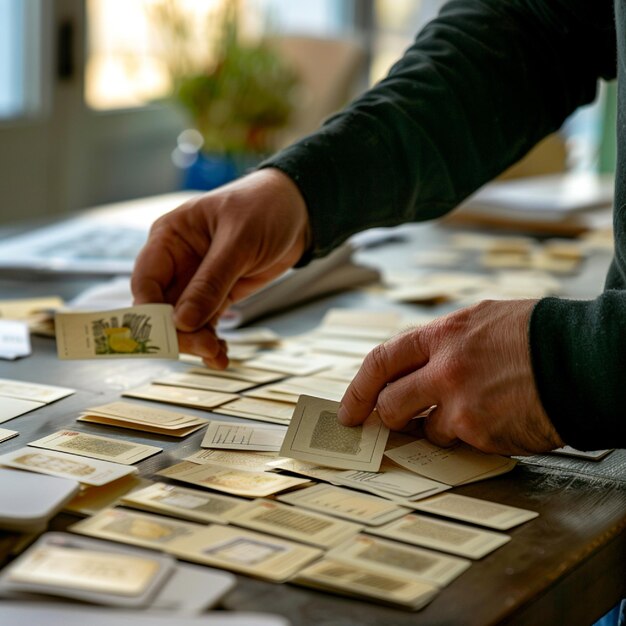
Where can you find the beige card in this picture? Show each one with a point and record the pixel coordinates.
(376, 325)
(253, 335)
(194, 398)
(203, 381)
(315, 435)
(236, 459)
(247, 552)
(290, 365)
(34, 392)
(345, 503)
(400, 559)
(240, 372)
(86, 471)
(261, 410)
(473, 510)
(456, 465)
(428, 532)
(348, 347)
(320, 473)
(103, 448)
(357, 580)
(137, 529)
(103, 572)
(6, 434)
(142, 331)
(296, 524)
(121, 423)
(291, 389)
(235, 436)
(234, 481)
(24, 308)
(141, 413)
(188, 504)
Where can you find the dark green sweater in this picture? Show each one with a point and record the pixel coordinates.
(481, 85)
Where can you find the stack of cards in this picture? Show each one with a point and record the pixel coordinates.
(104, 573)
(147, 419)
(193, 398)
(18, 397)
(142, 331)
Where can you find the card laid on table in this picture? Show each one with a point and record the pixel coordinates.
(240, 372)
(229, 480)
(193, 398)
(14, 407)
(475, 511)
(456, 465)
(427, 532)
(257, 409)
(6, 434)
(289, 364)
(236, 459)
(293, 523)
(400, 559)
(188, 504)
(345, 503)
(141, 417)
(85, 471)
(203, 381)
(362, 581)
(142, 331)
(232, 436)
(83, 569)
(33, 392)
(316, 435)
(95, 447)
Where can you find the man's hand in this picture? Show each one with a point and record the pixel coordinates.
(218, 248)
(474, 365)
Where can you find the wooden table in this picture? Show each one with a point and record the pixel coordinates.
(567, 567)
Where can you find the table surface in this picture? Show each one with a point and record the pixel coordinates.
(568, 566)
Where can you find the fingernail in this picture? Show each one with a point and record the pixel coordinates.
(187, 317)
(342, 416)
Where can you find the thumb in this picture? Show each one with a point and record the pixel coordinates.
(206, 294)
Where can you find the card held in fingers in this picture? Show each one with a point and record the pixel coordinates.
(316, 435)
(142, 331)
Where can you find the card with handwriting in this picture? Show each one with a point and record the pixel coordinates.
(428, 532)
(361, 581)
(345, 503)
(475, 511)
(400, 559)
(194, 505)
(96, 447)
(293, 523)
(316, 435)
(231, 480)
(234, 436)
(141, 331)
(86, 471)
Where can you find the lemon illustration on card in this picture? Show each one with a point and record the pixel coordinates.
(131, 336)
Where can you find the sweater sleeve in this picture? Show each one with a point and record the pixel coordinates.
(481, 85)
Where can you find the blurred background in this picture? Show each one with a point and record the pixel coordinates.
(105, 101)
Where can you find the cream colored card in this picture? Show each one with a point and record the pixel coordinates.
(289, 364)
(400, 559)
(247, 552)
(120, 423)
(21, 309)
(137, 529)
(360, 581)
(315, 435)
(143, 414)
(456, 465)
(14, 407)
(375, 325)
(391, 481)
(305, 468)
(475, 511)
(194, 398)
(253, 335)
(142, 331)
(346, 504)
(428, 532)
(91, 500)
(261, 410)
(294, 523)
(32, 391)
(234, 436)
(234, 481)
(291, 389)
(188, 504)
(6, 434)
(267, 393)
(348, 347)
(341, 374)
(95, 447)
(240, 372)
(88, 570)
(236, 459)
(203, 381)
(86, 471)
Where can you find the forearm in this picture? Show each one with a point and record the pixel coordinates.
(478, 88)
